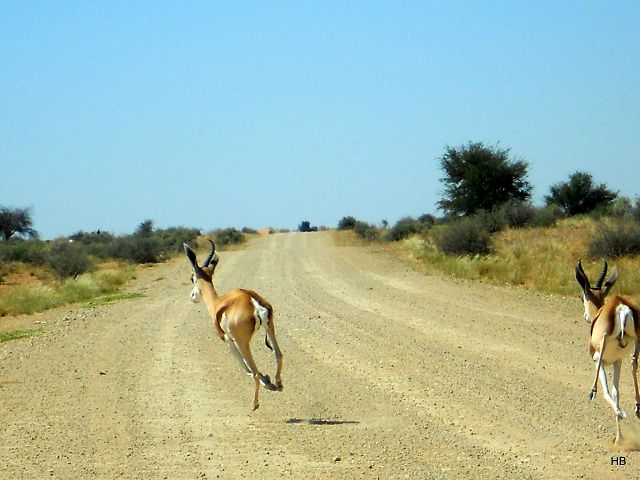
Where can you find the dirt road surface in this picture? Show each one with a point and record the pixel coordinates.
(389, 373)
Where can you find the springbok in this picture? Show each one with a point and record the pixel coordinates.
(615, 330)
(236, 316)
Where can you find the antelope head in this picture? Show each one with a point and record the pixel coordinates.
(201, 273)
(593, 297)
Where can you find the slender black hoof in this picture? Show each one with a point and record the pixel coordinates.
(592, 394)
(266, 383)
(280, 386)
(638, 410)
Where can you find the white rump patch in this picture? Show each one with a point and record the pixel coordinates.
(261, 314)
(625, 318)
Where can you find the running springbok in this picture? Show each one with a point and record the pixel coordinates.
(615, 331)
(236, 316)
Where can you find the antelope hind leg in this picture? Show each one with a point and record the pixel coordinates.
(276, 350)
(634, 371)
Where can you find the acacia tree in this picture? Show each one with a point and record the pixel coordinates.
(580, 195)
(16, 221)
(478, 177)
(145, 229)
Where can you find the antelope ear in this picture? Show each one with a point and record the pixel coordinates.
(612, 280)
(191, 255)
(581, 277)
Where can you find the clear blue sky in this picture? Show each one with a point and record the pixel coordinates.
(217, 114)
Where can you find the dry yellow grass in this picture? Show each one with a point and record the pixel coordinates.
(28, 294)
(541, 259)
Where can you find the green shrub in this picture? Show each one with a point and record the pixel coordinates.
(347, 223)
(136, 249)
(636, 210)
(492, 221)
(68, 259)
(518, 214)
(427, 220)
(404, 228)
(305, 226)
(615, 239)
(229, 236)
(621, 207)
(26, 251)
(468, 236)
(171, 239)
(548, 216)
(366, 231)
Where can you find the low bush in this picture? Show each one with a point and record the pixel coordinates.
(518, 214)
(171, 239)
(305, 226)
(228, 236)
(621, 207)
(69, 259)
(614, 239)
(407, 226)
(468, 236)
(493, 221)
(136, 249)
(21, 250)
(548, 216)
(365, 231)
(347, 223)
(404, 228)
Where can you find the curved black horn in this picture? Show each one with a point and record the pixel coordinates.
(211, 254)
(605, 266)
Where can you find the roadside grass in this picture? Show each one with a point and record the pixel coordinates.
(112, 298)
(540, 259)
(29, 299)
(16, 334)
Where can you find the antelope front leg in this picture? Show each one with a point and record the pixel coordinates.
(634, 370)
(257, 376)
(238, 356)
(594, 389)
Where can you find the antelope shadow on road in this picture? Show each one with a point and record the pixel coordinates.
(319, 421)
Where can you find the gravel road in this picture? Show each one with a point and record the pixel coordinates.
(388, 373)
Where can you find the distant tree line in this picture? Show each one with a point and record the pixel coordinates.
(80, 252)
(487, 191)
